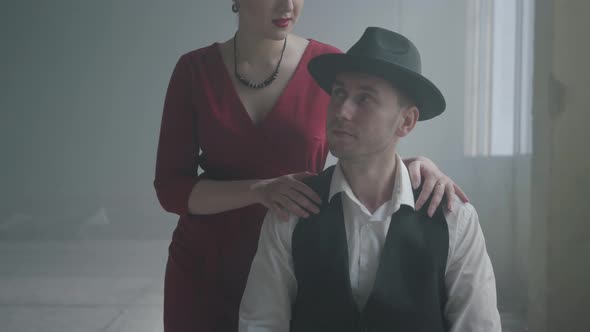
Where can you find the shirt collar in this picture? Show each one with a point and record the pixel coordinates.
(402, 193)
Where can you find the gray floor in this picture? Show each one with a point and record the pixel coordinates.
(81, 286)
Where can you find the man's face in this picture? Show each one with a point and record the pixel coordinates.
(364, 117)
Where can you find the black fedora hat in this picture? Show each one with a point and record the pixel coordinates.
(387, 55)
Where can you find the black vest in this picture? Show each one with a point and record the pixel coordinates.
(409, 291)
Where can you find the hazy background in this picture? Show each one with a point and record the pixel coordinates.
(83, 241)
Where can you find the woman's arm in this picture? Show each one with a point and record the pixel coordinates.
(284, 194)
(176, 161)
(177, 185)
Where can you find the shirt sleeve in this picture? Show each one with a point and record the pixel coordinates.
(271, 286)
(470, 280)
(178, 147)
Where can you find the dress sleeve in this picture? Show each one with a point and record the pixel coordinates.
(178, 146)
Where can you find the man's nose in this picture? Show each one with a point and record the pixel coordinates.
(344, 110)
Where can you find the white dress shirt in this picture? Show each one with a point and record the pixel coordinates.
(469, 278)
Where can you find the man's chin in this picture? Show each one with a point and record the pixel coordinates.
(340, 152)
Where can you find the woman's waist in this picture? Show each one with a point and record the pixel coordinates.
(203, 224)
(223, 234)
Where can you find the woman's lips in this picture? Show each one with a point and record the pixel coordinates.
(282, 22)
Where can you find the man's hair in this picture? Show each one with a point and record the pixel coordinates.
(403, 98)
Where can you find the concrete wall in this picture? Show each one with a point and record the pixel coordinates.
(559, 293)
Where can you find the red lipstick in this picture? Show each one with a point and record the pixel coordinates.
(282, 22)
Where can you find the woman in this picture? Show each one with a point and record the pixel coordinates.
(250, 105)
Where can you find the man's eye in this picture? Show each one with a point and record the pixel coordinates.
(364, 98)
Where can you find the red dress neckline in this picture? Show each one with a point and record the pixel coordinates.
(234, 93)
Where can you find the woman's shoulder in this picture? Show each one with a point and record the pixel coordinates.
(203, 54)
(199, 59)
(313, 47)
(318, 47)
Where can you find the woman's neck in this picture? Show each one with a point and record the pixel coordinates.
(257, 51)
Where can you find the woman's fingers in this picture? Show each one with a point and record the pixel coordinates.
(437, 196)
(290, 206)
(302, 200)
(425, 193)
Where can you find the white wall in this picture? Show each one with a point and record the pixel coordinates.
(86, 83)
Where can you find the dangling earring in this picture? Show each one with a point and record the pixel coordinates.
(235, 7)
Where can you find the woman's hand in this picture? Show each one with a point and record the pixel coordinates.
(287, 194)
(436, 183)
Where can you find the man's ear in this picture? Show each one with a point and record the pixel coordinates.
(408, 121)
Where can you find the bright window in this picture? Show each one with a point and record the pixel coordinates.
(498, 86)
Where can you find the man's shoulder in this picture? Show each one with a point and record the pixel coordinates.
(461, 214)
(321, 182)
(462, 222)
(276, 228)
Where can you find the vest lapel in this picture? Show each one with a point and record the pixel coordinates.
(333, 223)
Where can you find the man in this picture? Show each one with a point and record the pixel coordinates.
(368, 261)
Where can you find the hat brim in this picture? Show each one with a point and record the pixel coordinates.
(428, 98)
